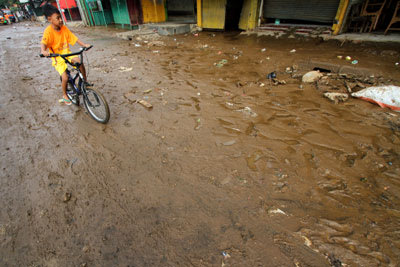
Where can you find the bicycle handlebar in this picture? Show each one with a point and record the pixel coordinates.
(70, 54)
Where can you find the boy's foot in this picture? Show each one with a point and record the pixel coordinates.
(66, 101)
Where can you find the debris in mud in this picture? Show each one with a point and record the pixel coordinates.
(198, 124)
(348, 58)
(354, 62)
(67, 197)
(248, 111)
(145, 104)
(271, 75)
(124, 69)
(263, 50)
(334, 261)
(307, 241)
(147, 91)
(385, 96)
(311, 76)
(226, 255)
(277, 211)
(293, 51)
(336, 97)
(221, 63)
(229, 143)
(26, 78)
(278, 82)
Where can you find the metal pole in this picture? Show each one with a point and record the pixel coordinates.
(261, 11)
(69, 11)
(59, 8)
(81, 12)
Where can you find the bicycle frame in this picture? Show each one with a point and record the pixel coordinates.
(80, 90)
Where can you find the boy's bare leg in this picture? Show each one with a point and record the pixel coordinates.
(64, 82)
(82, 67)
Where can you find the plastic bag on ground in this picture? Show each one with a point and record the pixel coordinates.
(385, 96)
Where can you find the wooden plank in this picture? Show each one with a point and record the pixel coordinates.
(214, 14)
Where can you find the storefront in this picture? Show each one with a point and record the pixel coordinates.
(300, 11)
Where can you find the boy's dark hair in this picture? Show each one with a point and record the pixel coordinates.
(49, 10)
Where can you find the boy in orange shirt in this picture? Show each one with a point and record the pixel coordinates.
(57, 38)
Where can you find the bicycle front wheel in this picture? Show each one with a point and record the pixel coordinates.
(96, 105)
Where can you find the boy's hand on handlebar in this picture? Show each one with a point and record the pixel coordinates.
(46, 53)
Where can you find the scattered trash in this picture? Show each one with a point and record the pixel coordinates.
(289, 70)
(67, 197)
(277, 211)
(348, 58)
(293, 51)
(384, 96)
(226, 255)
(262, 84)
(307, 241)
(198, 94)
(8, 38)
(196, 35)
(147, 91)
(335, 262)
(263, 50)
(235, 57)
(124, 69)
(336, 97)
(221, 63)
(278, 82)
(138, 45)
(267, 58)
(271, 75)
(248, 111)
(354, 62)
(340, 57)
(312, 76)
(156, 51)
(229, 143)
(198, 124)
(397, 63)
(26, 78)
(145, 104)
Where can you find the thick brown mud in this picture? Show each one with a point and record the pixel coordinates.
(226, 169)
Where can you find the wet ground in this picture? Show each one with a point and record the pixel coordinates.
(226, 169)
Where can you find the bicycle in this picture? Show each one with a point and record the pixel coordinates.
(92, 98)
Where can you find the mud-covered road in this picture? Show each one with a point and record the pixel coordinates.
(227, 169)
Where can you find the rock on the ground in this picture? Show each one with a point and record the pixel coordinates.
(336, 97)
(311, 76)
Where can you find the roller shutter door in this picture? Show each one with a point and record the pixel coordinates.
(309, 10)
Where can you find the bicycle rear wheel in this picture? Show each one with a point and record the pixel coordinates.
(96, 105)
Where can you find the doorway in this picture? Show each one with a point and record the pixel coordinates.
(233, 12)
(135, 12)
(181, 11)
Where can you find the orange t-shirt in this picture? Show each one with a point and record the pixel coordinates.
(58, 41)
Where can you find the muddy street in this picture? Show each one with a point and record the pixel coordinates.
(226, 169)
